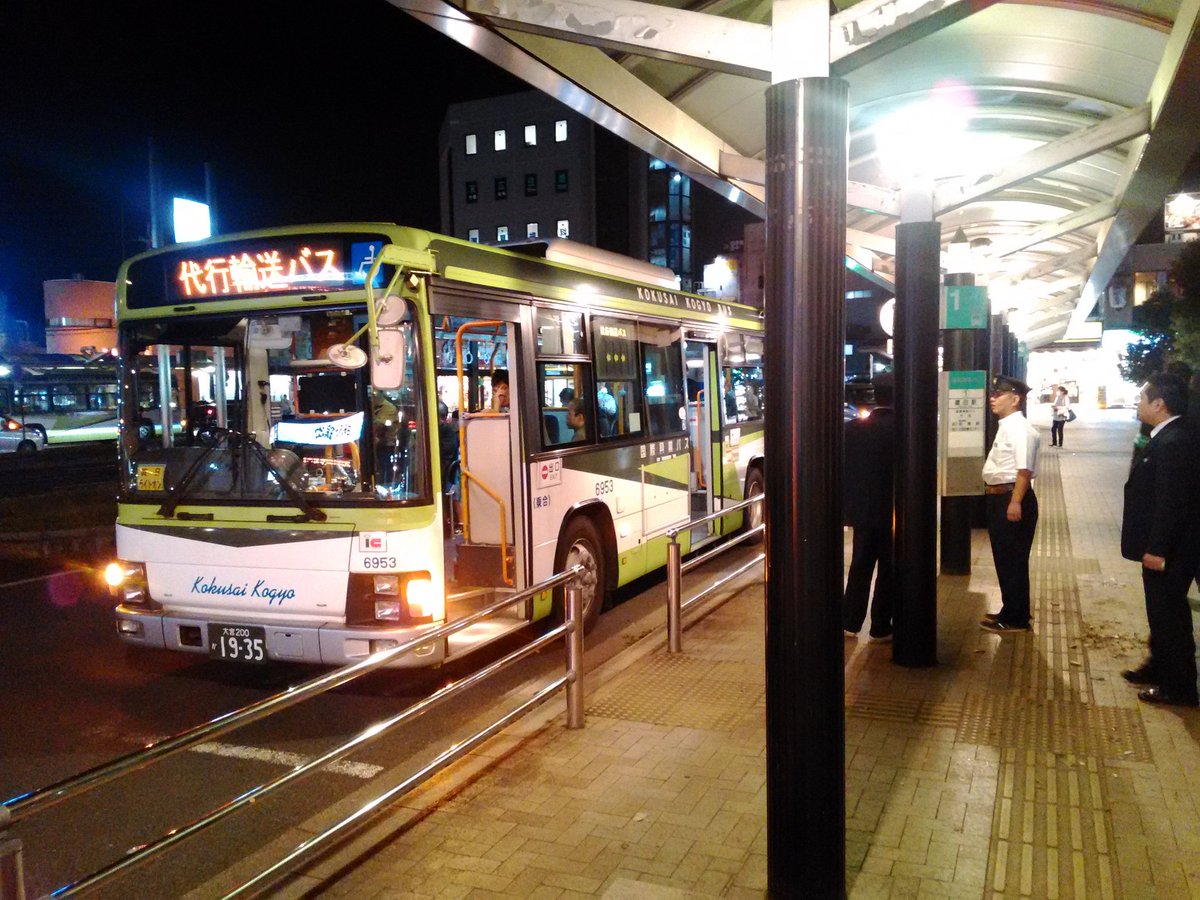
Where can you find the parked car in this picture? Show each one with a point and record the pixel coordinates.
(16, 438)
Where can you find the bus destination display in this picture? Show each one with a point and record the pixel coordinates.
(286, 265)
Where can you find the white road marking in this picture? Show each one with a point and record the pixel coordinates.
(283, 758)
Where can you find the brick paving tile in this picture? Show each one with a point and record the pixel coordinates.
(1020, 765)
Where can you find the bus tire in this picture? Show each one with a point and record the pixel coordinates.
(26, 448)
(581, 545)
(755, 515)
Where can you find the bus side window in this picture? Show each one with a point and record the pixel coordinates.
(563, 392)
(618, 385)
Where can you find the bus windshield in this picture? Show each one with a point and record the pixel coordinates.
(260, 413)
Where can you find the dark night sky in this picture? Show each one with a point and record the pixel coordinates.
(306, 113)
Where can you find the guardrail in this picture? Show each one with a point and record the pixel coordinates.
(675, 568)
(25, 805)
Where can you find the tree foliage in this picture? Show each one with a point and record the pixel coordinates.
(1168, 323)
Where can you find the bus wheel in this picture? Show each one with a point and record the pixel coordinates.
(755, 515)
(581, 546)
(26, 448)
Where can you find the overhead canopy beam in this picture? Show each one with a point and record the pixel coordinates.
(587, 81)
(1090, 216)
(1050, 156)
(857, 35)
(1173, 141)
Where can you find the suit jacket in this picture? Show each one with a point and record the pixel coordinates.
(869, 470)
(1162, 498)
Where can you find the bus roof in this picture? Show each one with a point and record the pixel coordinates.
(224, 272)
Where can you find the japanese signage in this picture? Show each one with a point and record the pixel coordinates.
(281, 265)
(964, 306)
(1182, 213)
(963, 419)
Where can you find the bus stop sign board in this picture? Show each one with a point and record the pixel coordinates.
(964, 306)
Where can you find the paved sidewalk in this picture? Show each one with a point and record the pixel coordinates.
(1020, 766)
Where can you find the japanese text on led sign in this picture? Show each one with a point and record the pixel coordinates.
(260, 272)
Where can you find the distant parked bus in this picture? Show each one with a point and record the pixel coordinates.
(63, 397)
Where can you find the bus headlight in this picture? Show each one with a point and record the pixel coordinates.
(387, 610)
(388, 585)
(126, 581)
(422, 599)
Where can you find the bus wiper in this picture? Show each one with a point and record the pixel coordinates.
(309, 512)
(176, 494)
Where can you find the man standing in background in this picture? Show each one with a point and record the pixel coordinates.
(1159, 529)
(1012, 507)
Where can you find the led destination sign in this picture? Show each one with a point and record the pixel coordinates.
(303, 264)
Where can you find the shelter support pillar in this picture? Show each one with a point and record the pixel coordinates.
(805, 327)
(918, 277)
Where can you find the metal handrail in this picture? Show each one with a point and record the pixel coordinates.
(675, 568)
(26, 804)
(573, 678)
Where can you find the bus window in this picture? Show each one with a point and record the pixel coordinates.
(559, 333)
(742, 379)
(618, 388)
(662, 361)
(563, 391)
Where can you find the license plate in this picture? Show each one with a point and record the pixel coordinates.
(238, 643)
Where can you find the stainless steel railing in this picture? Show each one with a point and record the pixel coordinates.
(675, 568)
(572, 680)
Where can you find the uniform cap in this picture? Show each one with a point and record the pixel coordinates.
(1005, 384)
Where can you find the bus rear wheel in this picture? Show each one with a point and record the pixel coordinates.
(581, 546)
(756, 514)
(26, 448)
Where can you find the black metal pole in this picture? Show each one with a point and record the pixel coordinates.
(918, 247)
(805, 329)
(958, 354)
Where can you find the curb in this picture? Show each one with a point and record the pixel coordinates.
(406, 811)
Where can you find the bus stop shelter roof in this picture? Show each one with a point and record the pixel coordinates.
(1050, 130)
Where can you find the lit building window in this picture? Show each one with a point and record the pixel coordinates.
(560, 181)
(564, 228)
(530, 135)
(560, 130)
(473, 235)
(501, 139)
(531, 185)
(502, 233)
(472, 146)
(501, 188)
(472, 191)
(531, 230)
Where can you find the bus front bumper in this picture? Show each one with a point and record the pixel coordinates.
(327, 645)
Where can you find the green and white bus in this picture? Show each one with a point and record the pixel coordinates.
(401, 427)
(66, 397)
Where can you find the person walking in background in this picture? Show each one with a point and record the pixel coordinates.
(1012, 506)
(1060, 415)
(867, 509)
(1160, 529)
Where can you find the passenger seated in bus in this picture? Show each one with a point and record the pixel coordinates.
(577, 421)
(553, 433)
(566, 395)
(500, 390)
(607, 405)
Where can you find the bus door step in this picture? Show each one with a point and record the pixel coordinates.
(481, 634)
(481, 565)
(465, 601)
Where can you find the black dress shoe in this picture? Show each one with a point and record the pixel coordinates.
(1158, 695)
(1140, 675)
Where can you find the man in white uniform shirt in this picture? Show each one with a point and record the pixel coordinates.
(1012, 507)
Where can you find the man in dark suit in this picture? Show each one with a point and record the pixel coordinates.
(867, 508)
(1160, 530)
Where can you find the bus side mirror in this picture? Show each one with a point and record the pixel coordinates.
(387, 362)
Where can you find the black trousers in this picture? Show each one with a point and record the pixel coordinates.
(1056, 432)
(1011, 545)
(869, 547)
(1172, 645)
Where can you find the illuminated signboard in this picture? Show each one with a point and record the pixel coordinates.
(302, 264)
(1182, 212)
